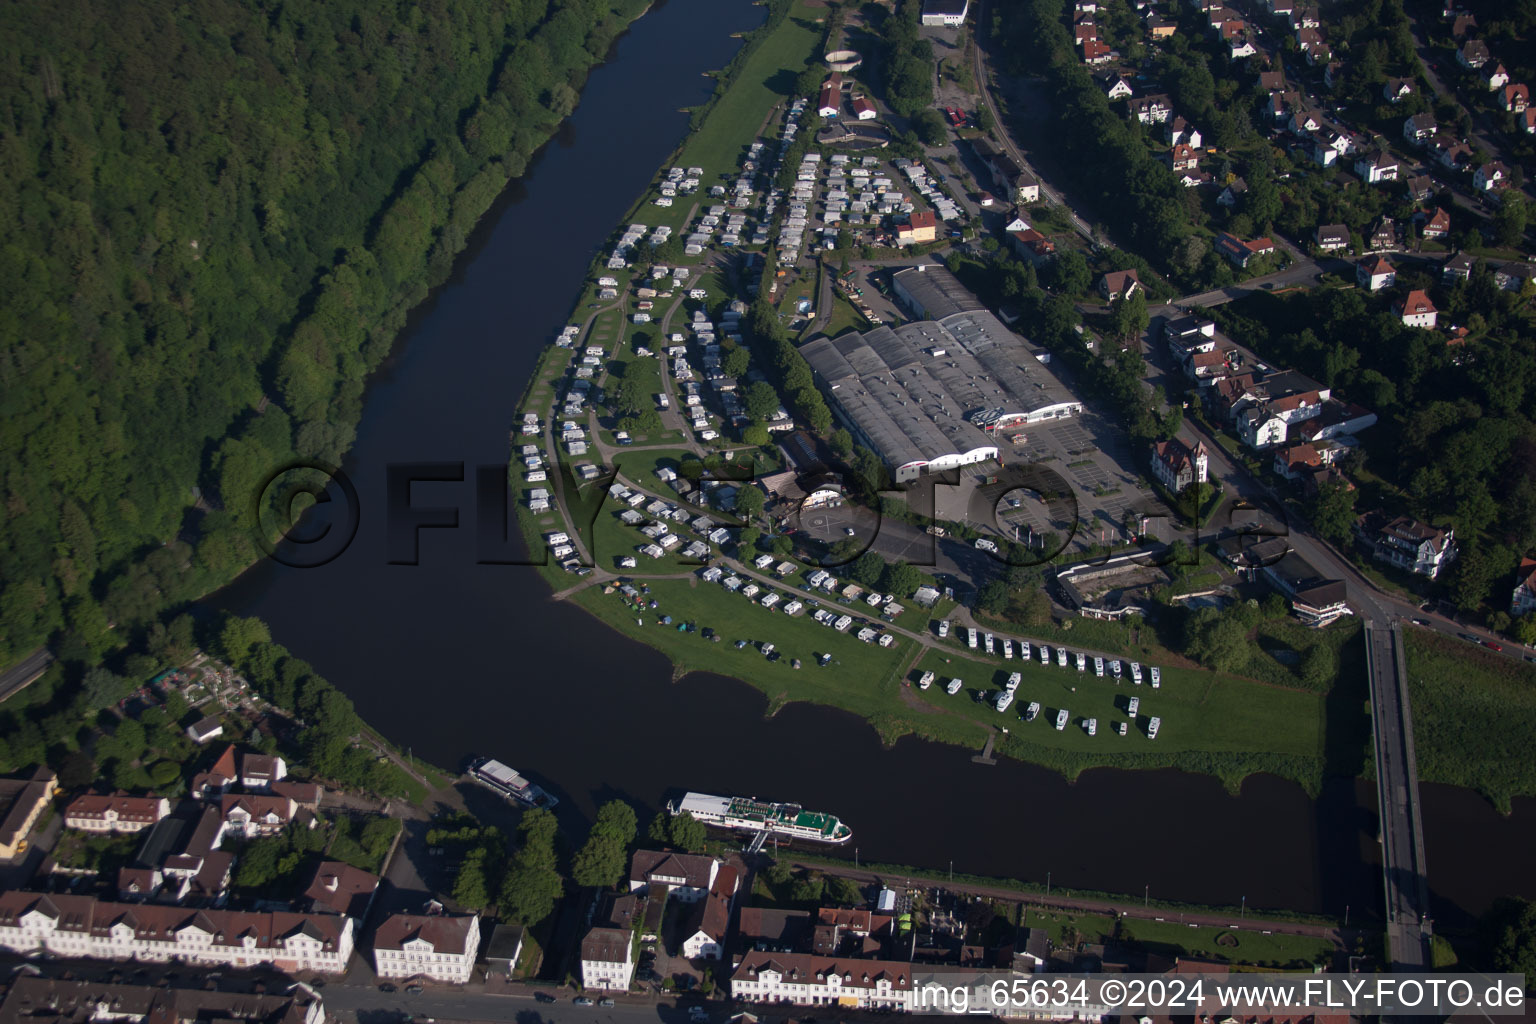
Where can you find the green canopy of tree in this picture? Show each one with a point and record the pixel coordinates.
(218, 221)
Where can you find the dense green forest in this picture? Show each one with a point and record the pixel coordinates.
(218, 218)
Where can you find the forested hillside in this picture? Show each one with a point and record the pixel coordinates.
(217, 216)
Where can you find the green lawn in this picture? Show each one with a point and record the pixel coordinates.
(720, 143)
(861, 678)
(1474, 713)
(1171, 938)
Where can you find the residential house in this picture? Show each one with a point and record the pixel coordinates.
(831, 96)
(1240, 45)
(1233, 193)
(921, 226)
(1419, 128)
(1436, 224)
(1495, 77)
(1189, 333)
(803, 979)
(1161, 28)
(1374, 273)
(1207, 366)
(23, 799)
(1179, 130)
(436, 947)
(1084, 30)
(1397, 89)
(1260, 428)
(1153, 109)
(864, 108)
(1272, 81)
(704, 928)
(1514, 277)
(1384, 234)
(1117, 283)
(686, 876)
(143, 1000)
(1240, 252)
(78, 926)
(607, 959)
(1419, 188)
(1305, 17)
(1374, 167)
(1406, 543)
(258, 771)
(1517, 96)
(1295, 461)
(1096, 52)
(1335, 420)
(1457, 267)
(1279, 8)
(1523, 600)
(205, 729)
(1415, 309)
(1329, 237)
(251, 816)
(1528, 120)
(1450, 153)
(340, 888)
(1491, 177)
(778, 931)
(1473, 54)
(1183, 158)
(1113, 86)
(1333, 74)
(118, 812)
(1032, 245)
(1309, 40)
(1462, 24)
(1178, 466)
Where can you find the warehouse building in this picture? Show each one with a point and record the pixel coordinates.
(936, 394)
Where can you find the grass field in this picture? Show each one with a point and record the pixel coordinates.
(765, 81)
(1474, 713)
(1171, 938)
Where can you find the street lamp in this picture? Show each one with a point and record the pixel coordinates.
(1146, 897)
(1243, 913)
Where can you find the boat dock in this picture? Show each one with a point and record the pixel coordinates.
(985, 757)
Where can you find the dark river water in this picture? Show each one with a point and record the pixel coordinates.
(452, 658)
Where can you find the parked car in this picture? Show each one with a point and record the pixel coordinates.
(582, 1001)
(386, 987)
(605, 1002)
(543, 997)
(413, 989)
(1493, 646)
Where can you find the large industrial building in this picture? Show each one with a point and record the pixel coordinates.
(932, 395)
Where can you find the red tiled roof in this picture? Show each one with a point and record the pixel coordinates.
(446, 933)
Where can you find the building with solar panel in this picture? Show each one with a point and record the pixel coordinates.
(935, 394)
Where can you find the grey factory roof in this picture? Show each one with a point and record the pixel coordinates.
(935, 292)
(918, 391)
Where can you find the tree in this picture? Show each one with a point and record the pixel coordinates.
(1509, 929)
(930, 127)
(102, 688)
(77, 770)
(659, 830)
(1070, 274)
(756, 435)
(688, 832)
(844, 891)
(532, 884)
(1218, 640)
(1318, 666)
(239, 635)
(1475, 573)
(867, 570)
(749, 501)
(735, 361)
(761, 401)
(842, 444)
(992, 598)
(807, 890)
(900, 578)
(1129, 317)
(1509, 221)
(1332, 511)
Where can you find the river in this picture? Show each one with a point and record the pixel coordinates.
(452, 658)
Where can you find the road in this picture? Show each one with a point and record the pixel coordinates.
(24, 672)
(1397, 790)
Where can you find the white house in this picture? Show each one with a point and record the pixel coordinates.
(1523, 601)
(704, 929)
(1375, 273)
(116, 813)
(76, 926)
(1177, 465)
(1416, 310)
(439, 947)
(607, 959)
(1491, 177)
(1376, 167)
(806, 980)
(686, 876)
